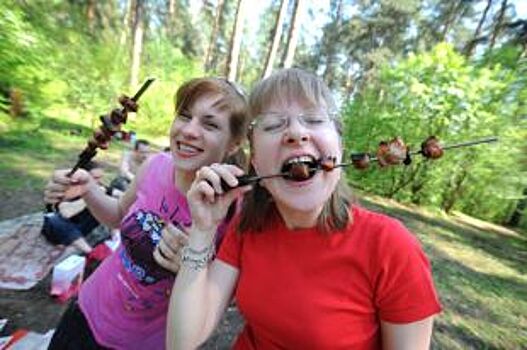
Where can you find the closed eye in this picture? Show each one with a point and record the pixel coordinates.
(272, 122)
(209, 123)
(314, 119)
(273, 126)
(184, 117)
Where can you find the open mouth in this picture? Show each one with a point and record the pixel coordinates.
(299, 168)
(186, 148)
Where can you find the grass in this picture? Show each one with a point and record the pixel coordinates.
(31, 148)
(480, 273)
(480, 269)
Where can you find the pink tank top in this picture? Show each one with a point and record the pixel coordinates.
(125, 301)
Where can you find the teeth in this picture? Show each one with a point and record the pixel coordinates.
(301, 159)
(188, 148)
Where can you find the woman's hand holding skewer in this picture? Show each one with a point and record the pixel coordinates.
(63, 187)
(208, 202)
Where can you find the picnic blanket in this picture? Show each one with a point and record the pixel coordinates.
(25, 255)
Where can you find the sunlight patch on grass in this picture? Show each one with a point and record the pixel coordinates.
(481, 296)
(475, 258)
(483, 225)
(479, 274)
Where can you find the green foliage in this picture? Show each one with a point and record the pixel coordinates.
(22, 58)
(61, 65)
(440, 93)
(73, 68)
(171, 68)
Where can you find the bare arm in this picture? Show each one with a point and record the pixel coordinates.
(198, 301)
(125, 169)
(415, 335)
(70, 209)
(110, 210)
(106, 209)
(201, 294)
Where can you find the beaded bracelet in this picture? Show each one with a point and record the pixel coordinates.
(197, 259)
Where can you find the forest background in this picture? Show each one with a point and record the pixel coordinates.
(456, 69)
(411, 68)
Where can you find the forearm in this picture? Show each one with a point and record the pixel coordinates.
(70, 209)
(125, 169)
(103, 207)
(189, 318)
(129, 175)
(202, 289)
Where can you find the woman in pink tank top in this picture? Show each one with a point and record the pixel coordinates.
(123, 304)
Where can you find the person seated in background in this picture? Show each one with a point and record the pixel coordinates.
(72, 222)
(131, 161)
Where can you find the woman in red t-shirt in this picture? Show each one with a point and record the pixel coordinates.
(308, 269)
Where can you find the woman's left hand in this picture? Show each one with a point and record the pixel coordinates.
(168, 252)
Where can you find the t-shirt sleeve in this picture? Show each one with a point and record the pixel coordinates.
(404, 289)
(230, 248)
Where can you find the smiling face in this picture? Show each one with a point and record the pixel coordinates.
(200, 134)
(299, 202)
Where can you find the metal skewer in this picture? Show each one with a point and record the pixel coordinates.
(110, 126)
(373, 158)
(249, 179)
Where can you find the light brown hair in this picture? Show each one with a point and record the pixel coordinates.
(233, 101)
(283, 86)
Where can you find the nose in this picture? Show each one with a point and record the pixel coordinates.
(295, 132)
(191, 129)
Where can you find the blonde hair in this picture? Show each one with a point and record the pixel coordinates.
(281, 87)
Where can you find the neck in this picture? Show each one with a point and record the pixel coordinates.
(183, 179)
(296, 219)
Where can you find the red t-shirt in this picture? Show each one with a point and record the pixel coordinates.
(304, 289)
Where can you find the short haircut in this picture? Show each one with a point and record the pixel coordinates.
(141, 142)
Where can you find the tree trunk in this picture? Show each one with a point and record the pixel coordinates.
(171, 8)
(127, 23)
(214, 35)
(456, 190)
(516, 216)
(171, 17)
(329, 72)
(292, 38)
(499, 24)
(236, 40)
(408, 177)
(105, 14)
(277, 34)
(137, 45)
(90, 14)
(469, 50)
(451, 18)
